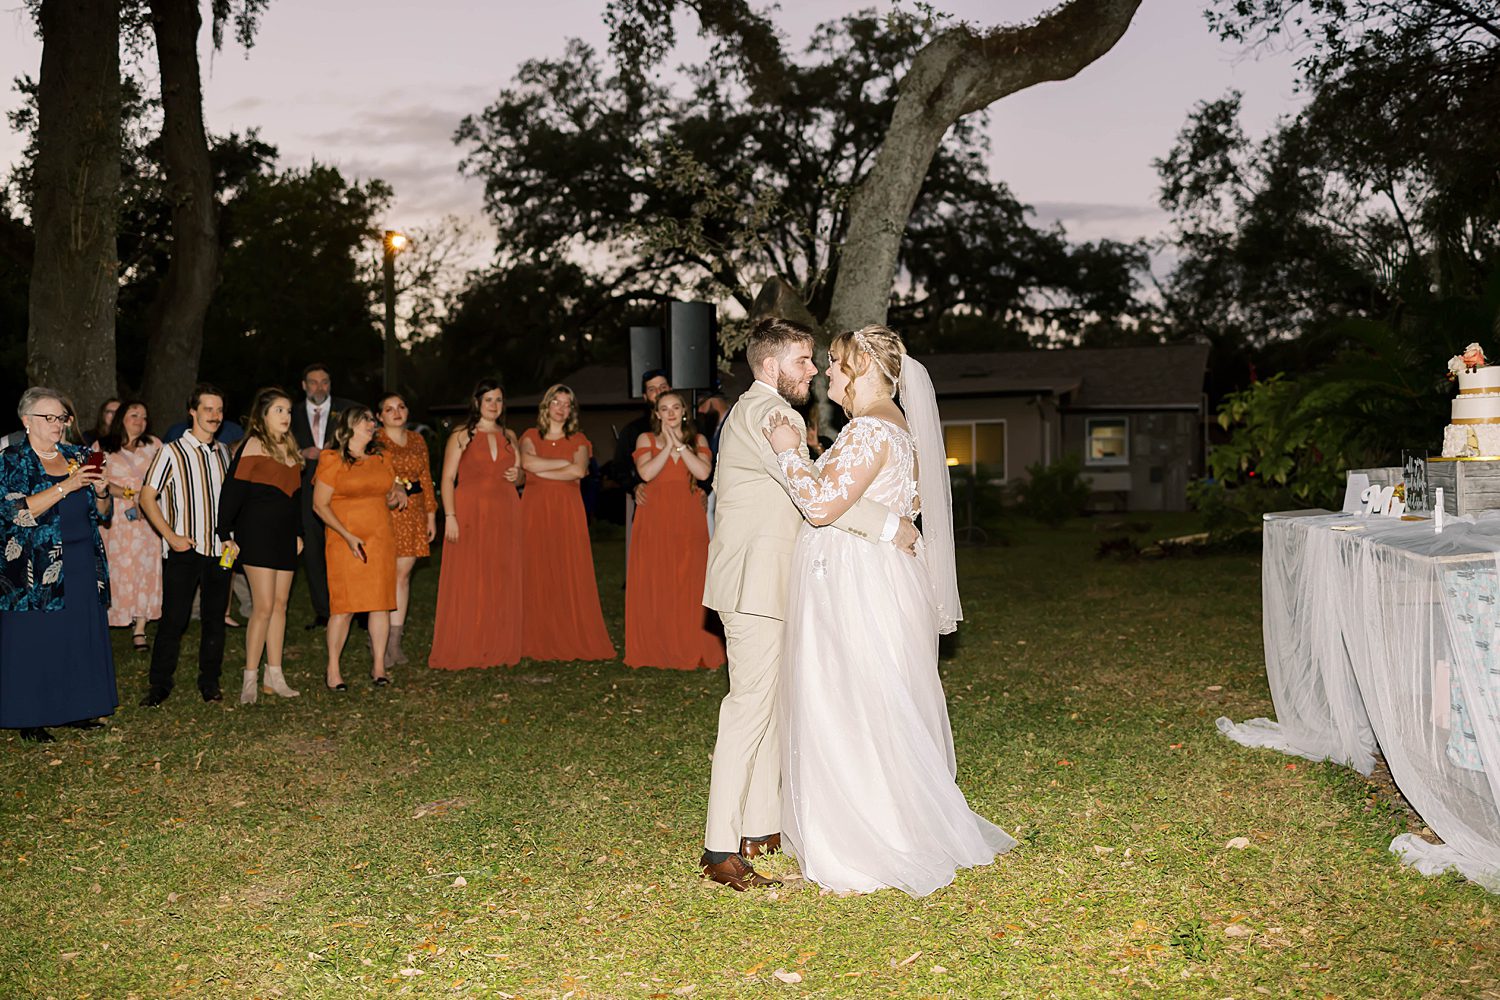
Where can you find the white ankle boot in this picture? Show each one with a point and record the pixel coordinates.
(276, 684)
(248, 690)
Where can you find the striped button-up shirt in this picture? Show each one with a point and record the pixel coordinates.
(187, 476)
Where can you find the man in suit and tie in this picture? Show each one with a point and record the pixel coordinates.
(312, 427)
(749, 565)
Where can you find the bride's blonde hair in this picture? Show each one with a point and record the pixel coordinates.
(870, 346)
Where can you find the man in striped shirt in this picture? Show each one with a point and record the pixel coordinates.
(180, 497)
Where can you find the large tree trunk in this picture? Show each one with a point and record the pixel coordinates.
(175, 343)
(70, 342)
(957, 73)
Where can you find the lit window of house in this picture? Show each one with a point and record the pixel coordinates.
(1108, 441)
(979, 445)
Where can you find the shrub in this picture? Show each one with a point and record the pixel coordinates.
(1054, 493)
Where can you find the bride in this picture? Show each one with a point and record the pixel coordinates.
(868, 768)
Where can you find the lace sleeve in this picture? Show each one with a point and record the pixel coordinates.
(824, 492)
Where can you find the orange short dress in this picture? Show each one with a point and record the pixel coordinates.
(359, 492)
(413, 465)
(479, 582)
(560, 614)
(664, 614)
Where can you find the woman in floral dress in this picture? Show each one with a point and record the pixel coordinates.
(134, 550)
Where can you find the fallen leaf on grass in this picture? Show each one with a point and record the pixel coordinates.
(1215, 687)
(460, 882)
(411, 973)
(68, 956)
(790, 978)
(1237, 931)
(438, 808)
(1238, 844)
(1102, 851)
(908, 960)
(938, 970)
(684, 991)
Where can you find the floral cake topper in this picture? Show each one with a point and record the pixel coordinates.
(1472, 359)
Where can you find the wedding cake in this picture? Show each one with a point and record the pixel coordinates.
(1475, 426)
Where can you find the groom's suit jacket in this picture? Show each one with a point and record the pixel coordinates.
(755, 521)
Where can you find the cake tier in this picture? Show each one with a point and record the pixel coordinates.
(1486, 379)
(1482, 409)
(1457, 438)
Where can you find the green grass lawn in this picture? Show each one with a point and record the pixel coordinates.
(532, 832)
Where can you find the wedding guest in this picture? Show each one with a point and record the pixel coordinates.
(416, 525)
(353, 494)
(56, 667)
(104, 421)
(664, 616)
(229, 435)
(312, 425)
(479, 583)
(560, 614)
(622, 468)
(133, 548)
(180, 497)
(260, 520)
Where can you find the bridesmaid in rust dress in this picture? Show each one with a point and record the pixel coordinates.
(353, 493)
(479, 584)
(560, 615)
(664, 615)
(416, 526)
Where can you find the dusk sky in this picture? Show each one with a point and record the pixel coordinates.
(379, 94)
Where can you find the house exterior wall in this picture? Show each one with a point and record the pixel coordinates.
(1032, 427)
(1165, 454)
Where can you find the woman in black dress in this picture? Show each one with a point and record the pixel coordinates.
(56, 667)
(260, 517)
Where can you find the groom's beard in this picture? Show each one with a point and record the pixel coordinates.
(791, 390)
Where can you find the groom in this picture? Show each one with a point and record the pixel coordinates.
(749, 561)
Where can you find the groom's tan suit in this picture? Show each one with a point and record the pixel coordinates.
(749, 567)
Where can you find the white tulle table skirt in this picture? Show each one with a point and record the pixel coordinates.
(1382, 636)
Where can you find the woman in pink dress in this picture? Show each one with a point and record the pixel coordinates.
(133, 549)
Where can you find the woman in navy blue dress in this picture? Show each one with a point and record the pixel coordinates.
(56, 667)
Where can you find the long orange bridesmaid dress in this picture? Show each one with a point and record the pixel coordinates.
(479, 583)
(560, 614)
(664, 613)
(359, 492)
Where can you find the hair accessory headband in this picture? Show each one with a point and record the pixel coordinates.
(864, 345)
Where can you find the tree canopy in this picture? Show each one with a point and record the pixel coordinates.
(727, 181)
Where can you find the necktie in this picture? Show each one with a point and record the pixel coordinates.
(317, 426)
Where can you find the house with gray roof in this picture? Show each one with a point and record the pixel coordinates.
(1135, 415)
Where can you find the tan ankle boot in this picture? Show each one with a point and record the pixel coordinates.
(276, 684)
(248, 692)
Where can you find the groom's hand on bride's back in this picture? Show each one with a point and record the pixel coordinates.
(906, 537)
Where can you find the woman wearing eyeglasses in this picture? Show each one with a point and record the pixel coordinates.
(56, 667)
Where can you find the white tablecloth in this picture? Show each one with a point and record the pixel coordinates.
(1383, 636)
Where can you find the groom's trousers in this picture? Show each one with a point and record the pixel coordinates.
(744, 792)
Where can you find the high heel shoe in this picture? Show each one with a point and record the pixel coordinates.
(35, 734)
(340, 686)
(380, 681)
(248, 692)
(276, 684)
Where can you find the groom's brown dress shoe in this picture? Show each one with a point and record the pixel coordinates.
(752, 848)
(735, 873)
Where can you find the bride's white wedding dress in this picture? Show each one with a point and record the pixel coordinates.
(869, 798)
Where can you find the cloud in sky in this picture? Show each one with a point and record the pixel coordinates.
(380, 95)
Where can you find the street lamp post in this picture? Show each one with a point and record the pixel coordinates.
(393, 243)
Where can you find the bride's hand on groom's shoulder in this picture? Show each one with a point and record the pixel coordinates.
(780, 432)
